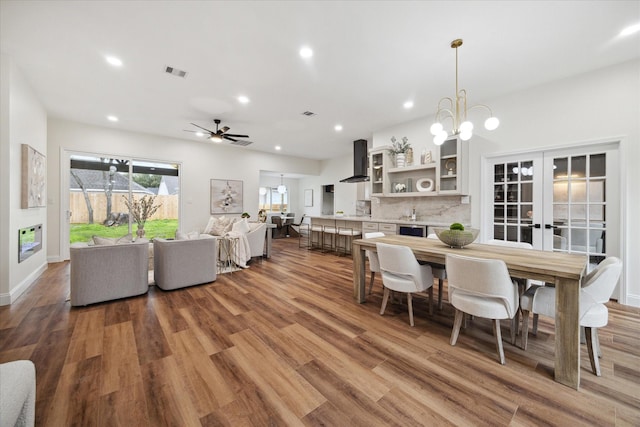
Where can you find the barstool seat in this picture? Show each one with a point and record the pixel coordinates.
(347, 234)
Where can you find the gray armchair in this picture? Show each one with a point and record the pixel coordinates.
(107, 272)
(181, 263)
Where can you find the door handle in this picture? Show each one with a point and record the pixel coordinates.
(549, 226)
(534, 225)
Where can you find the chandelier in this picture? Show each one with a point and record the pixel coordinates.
(282, 188)
(456, 109)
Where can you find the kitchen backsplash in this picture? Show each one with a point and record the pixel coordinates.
(439, 210)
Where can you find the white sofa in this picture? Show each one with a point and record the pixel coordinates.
(181, 263)
(107, 272)
(17, 393)
(256, 238)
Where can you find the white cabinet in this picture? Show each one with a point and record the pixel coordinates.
(386, 228)
(379, 162)
(453, 176)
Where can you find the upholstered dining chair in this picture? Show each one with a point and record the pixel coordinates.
(596, 290)
(481, 288)
(280, 230)
(523, 284)
(374, 263)
(401, 272)
(439, 272)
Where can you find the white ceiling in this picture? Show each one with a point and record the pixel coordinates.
(370, 57)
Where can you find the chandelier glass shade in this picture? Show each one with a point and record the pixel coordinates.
(282, 188)
(456, 109)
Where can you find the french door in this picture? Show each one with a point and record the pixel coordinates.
(559, 200)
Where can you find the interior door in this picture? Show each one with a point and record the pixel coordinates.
(565, 200)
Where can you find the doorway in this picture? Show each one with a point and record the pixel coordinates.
(327, 199)
(564, 200)
(95, 190)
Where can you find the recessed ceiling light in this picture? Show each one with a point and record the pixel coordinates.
(306, 52)
(278, 148)
(243, 99)
(338, 128)
(632, 29)
(112, 118)
(408, 105)
(116, 62)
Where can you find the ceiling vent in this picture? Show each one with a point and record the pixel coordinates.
(175, 72)
(242, 143)
(308, 113)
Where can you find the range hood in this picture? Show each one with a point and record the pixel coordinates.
(360, 157)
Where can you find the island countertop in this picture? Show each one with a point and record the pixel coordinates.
(418, 222)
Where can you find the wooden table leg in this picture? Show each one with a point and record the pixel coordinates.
(567, 362)
(358, 273)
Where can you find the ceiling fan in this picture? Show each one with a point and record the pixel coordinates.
(221, 134)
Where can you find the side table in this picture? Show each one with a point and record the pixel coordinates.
(227, 247)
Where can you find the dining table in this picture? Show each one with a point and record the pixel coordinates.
(564, 270)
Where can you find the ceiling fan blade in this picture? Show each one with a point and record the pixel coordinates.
(230, 139)
(210, 131)
(194, 131)
(236, 135)
(225, 129)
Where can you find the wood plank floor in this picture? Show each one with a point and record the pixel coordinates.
(284, 343)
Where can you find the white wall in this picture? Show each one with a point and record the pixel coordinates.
(200, 162)
(24, 121)
(331, 172)
(603, 105)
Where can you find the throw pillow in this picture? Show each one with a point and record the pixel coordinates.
(222, 226)
(97, 240)
(241, 226)
(187, 236)
(209, 227)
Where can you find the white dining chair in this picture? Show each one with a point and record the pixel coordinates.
(482, 288)
(372, 256)
(523, 284)
(401, 272)
(595, 292)
(439, 272)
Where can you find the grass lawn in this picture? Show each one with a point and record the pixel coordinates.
(165, 228)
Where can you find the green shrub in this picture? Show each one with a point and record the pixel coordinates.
(456, 226)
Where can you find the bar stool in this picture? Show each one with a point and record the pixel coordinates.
(316, 230)
(329, 231)
(347, 235)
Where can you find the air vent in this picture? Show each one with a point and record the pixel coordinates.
(175, 72)
(242, 143)
(308, 113)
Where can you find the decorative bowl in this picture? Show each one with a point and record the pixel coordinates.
(457, 238)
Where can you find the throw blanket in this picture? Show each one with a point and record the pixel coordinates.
(243, 251)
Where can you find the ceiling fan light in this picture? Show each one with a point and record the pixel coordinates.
(491, 123)
(436, 128)
(215, 138)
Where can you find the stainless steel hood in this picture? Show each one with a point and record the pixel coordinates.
(360, 160)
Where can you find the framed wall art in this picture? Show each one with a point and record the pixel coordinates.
(226, 196)
(308, 197)
(34, 174)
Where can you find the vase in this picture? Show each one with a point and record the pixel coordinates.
(140, 231)
(400, 158)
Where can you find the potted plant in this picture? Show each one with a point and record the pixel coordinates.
(141, 210)
(245, 215)
(399, 150)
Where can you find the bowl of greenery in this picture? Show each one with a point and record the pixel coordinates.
(456, 236)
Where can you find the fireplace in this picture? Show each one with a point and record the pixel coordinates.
(29, 241)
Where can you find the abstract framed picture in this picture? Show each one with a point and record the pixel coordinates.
(226, 196)
(34, 173)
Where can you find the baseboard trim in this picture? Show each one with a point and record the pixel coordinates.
(14, 294)
(633, 300)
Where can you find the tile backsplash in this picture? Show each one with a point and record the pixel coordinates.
(438, 210)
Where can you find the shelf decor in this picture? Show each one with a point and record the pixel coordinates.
(399, 150)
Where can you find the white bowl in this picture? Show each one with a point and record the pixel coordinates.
(457, 238)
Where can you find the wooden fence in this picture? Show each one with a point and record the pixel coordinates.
(80, 214)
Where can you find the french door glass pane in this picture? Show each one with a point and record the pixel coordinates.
(513, 201)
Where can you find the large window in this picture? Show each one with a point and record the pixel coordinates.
(273, 201)
(99, 186)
